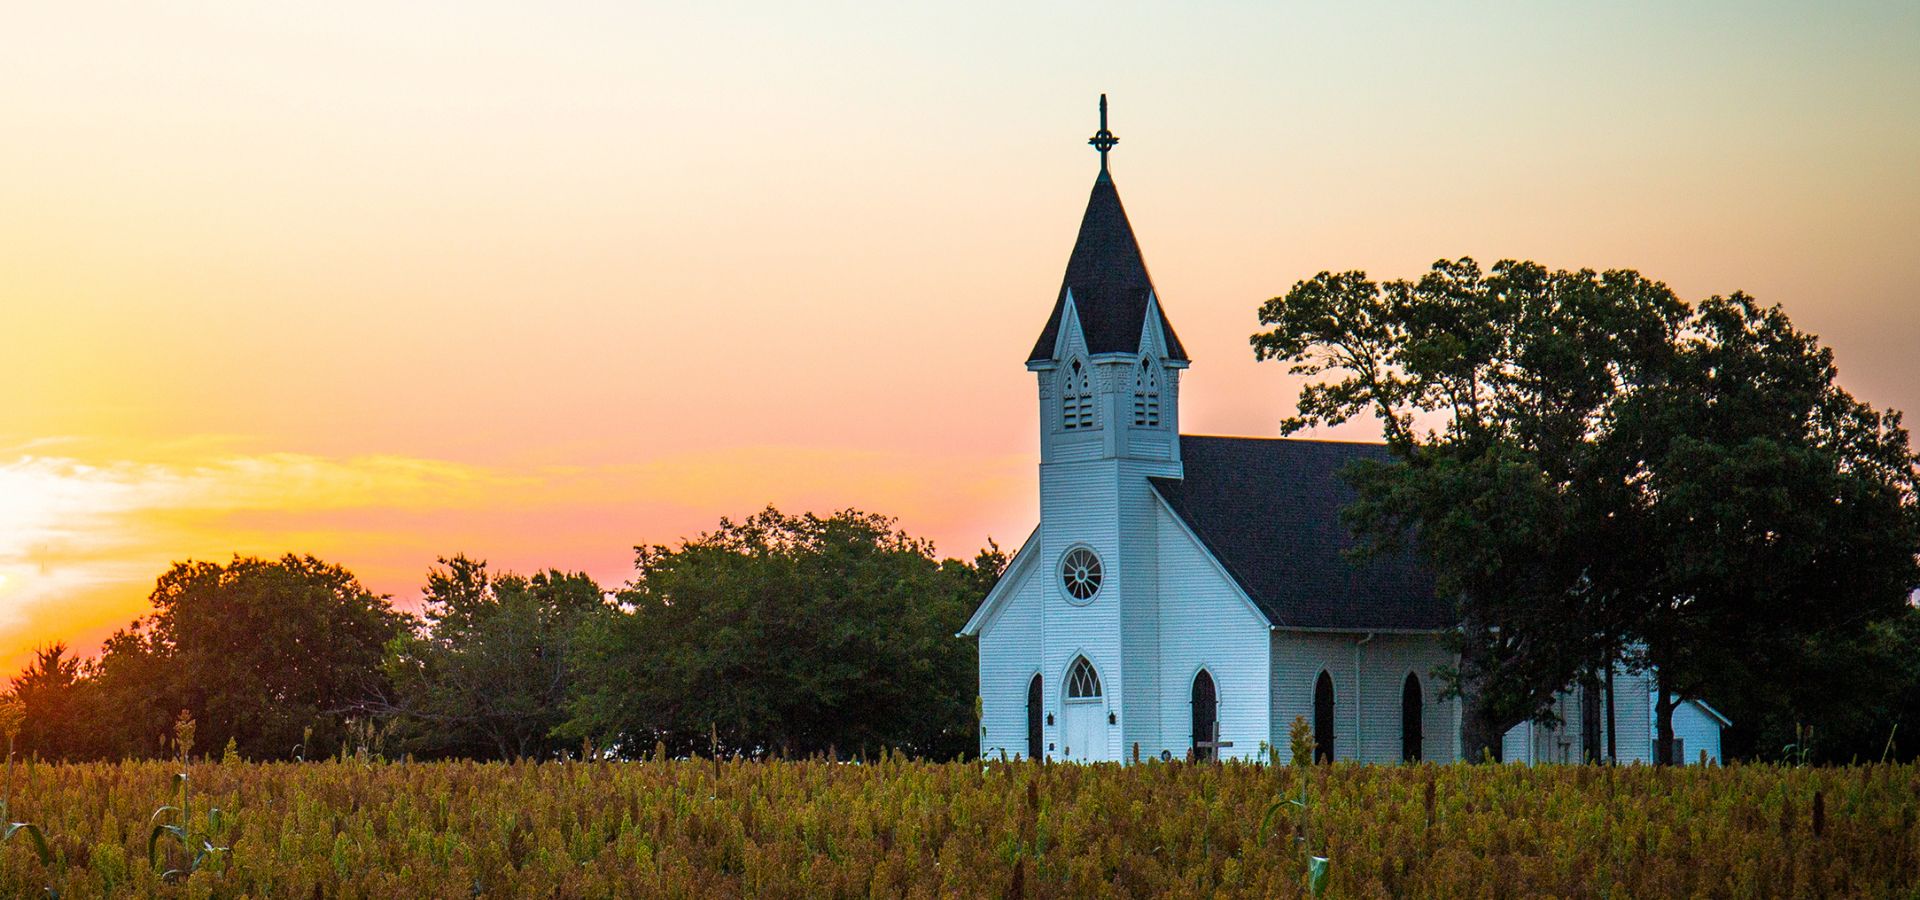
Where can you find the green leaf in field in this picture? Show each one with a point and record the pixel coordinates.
(1266, 821)
(153, 841)
(33, 832)
(1317, 875)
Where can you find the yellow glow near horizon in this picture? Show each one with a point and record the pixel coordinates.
(385, 282)
(79, 539)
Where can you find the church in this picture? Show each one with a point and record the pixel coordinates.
(1188, 596)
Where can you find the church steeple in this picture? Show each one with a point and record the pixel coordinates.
(1106, 279)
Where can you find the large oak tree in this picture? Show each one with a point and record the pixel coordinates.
(1592, 466)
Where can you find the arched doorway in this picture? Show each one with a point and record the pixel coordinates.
(1206, 717)
(1412, 701)
(1084, 716)
(1036, 736)
(1323, 718)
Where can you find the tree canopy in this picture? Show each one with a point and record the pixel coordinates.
(786, 634)
(782, 633)
(53, 695)
(1593, 466)
(490, 671)
(259, 651)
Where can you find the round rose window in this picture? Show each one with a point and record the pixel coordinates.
(1080, 574)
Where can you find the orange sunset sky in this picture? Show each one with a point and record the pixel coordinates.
(538, 282)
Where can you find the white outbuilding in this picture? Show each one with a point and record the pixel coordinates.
(1696, 729)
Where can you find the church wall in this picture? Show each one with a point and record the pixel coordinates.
(1531, 742)
(1385, 663)
(1633, 703)
(1142, 721)
(1205, 621)
(1077, 503)
(1297, 660)
(1010, 654)
(1366, 711)
(1540, 743)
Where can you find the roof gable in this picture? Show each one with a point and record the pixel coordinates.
(1268, 509)
(1003, 589)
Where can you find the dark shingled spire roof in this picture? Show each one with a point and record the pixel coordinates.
(1109, 283)
(1269, 510)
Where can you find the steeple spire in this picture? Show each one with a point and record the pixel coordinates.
(1103, 140)
(1106, 278)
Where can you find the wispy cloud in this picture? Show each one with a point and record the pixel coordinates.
(84, 529)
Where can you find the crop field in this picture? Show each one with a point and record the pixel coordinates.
(355, 828)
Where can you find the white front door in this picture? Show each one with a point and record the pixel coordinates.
(1084, 739)
(1083, 715)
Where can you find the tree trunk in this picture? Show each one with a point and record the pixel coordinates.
(1479, 734)
(1663, 721)
(1590, 718)
(1480, 730)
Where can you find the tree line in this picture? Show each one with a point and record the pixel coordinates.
(1596, 469)
(776, 634)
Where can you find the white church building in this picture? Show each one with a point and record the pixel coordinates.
(1189, 594)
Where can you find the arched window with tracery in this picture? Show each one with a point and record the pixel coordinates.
(1083, 683)
(1146, 393)
(1076, 396)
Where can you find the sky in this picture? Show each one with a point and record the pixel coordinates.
(540, 282)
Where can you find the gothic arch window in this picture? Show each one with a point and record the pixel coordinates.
(1206, 717)
(1076, 396)
(1323, 718)
(1035, 736)
(1412, 699)
(1146, 393)
(1083, 683)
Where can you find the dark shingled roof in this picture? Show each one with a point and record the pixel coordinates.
(1109, 283)
(1269, 510)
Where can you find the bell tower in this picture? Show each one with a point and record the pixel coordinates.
(1108, 360)
(1107, 365)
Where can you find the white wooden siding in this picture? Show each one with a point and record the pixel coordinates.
(1366, 709)
(1533, 743)
(1077, 507)
(1010, 653)
(1631, 698)
(1206, 622)
(1140, 558)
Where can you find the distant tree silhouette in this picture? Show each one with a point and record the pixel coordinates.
(793, 634)
(490, 671)
(265, 652)
(56, 698)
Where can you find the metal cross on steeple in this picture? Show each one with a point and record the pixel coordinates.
(1103, 140)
